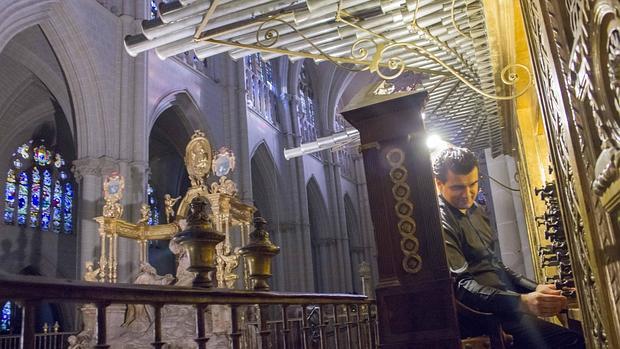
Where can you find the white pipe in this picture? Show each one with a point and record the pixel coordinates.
(337, 139)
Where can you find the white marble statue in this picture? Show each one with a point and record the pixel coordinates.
(140, 316)
(184, 277)
(91, 274)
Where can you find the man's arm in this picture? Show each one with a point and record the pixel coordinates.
(521, 283)
(468, 290)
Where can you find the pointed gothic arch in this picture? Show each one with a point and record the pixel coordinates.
(322, 243)
(170, 128)
(78, 67)
(265, 193)
(185, 104)
(37, 148)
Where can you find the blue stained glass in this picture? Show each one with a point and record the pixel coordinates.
(22, 199)
(46, 200)
(35, 196)
(24, 151)
(155, 216)
(5, 317)
(153, 8)
(9, 197)
(42, 156)
(152, 200)
(68, 208)
(34, 199)
(59, 161)
(57, 207)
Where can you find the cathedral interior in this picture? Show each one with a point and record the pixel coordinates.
(258, 173)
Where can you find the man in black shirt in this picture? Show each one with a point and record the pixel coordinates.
(482, 281)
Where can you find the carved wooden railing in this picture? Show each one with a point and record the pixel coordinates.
(325, 321)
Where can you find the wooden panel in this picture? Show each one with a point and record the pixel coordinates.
(414, 292)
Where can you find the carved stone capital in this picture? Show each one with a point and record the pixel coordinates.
(94, 167)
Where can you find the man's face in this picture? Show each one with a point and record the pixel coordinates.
(459, 190)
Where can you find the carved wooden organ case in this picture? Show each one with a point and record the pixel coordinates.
(575, 48)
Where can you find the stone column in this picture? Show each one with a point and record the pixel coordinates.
(365, 221)
(303, 242)
(136, 178)
(89, 173)
(343, 279)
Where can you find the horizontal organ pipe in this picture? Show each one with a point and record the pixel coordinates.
(337, 139)
(237, 21)
(223, 15)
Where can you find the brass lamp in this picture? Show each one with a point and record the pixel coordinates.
(200, 238)
(258, 254)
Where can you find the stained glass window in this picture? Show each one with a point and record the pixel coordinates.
(153, 8)
(9, 197)
(46, 200)
(152, 199)
(35, 194)
(260, 90)
(22, 198)
(57, 207)
(5, 318)
(68, 208)
(39, 190)
(306, 109)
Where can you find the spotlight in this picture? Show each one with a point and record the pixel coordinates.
(434, 142)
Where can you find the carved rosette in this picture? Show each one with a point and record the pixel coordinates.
(409, 244)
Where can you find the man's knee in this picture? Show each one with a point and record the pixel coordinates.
(574, 340)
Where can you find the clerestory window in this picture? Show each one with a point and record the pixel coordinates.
(306, 109)
(260, 89)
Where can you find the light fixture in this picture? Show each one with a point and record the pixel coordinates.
(434, 142)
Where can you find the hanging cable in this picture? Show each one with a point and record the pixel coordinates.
(500, 183)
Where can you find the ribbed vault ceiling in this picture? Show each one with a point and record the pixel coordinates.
(454, 111)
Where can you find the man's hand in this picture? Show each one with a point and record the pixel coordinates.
(548, 289)
(546, 301)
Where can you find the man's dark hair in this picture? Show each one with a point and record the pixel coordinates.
(460, 161)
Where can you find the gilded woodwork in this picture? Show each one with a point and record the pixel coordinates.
(574, 46)
(229, 214)
(198, 158)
